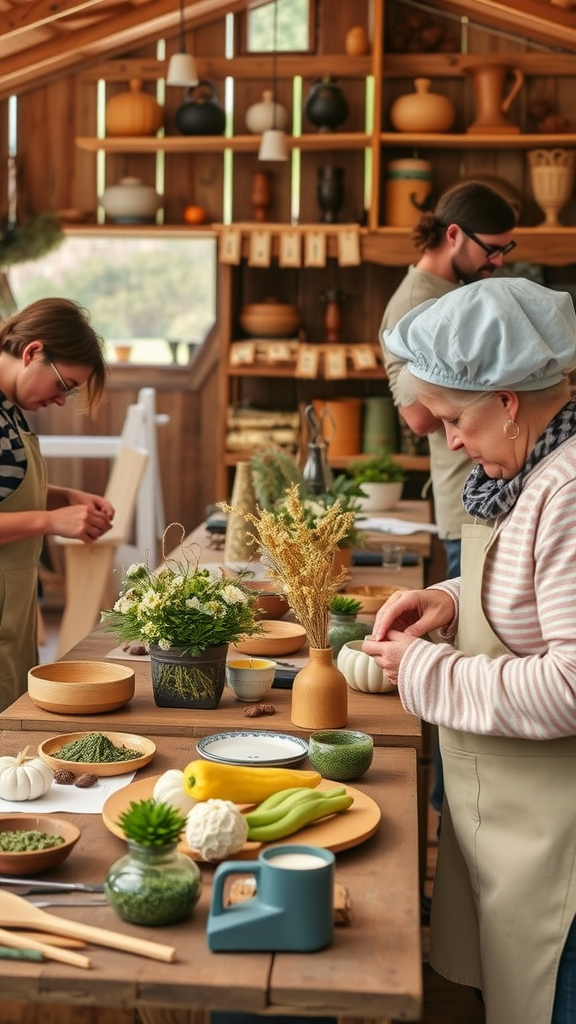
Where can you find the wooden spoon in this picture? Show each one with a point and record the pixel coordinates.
(50, 952)
(15, 912)
(53, 940)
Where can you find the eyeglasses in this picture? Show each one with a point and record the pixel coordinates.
(491, 250)
(68, 391)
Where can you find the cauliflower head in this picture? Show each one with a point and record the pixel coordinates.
(215, 829)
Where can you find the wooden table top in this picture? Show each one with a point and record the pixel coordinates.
(379, 714)
(372, 969)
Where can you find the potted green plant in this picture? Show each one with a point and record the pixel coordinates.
(344, 624)
(186, 616)
(381, 480)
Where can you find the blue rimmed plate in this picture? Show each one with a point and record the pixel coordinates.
(259, 747)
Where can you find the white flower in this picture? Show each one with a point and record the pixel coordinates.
(193, 602)
(135, 569)
(233, 595)
(164, 645)
(150, 601)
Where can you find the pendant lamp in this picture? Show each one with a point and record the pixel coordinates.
(182, 66)
(274, 145)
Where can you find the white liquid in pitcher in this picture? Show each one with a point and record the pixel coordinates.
(296, 861)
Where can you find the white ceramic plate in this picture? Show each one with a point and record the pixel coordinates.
(260, 748)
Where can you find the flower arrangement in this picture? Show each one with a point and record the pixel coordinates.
(181, 605)
(299, 551)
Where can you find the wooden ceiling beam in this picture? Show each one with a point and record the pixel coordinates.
(536, 20)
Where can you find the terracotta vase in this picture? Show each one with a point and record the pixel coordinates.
(491, 103)
(319, 693)
(261, 195)
(344, 416)
(422, 110)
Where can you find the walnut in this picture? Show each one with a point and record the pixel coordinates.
(64, 777)
(255, 710)
(86, 780)
(137, 649)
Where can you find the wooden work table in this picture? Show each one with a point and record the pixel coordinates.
(380, 714)
(372, 969)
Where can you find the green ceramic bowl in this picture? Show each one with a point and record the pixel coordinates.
(340, 754)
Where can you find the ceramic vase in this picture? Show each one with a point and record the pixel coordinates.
(130, 201)
(153, 885)
(266, 114)
(408, 191)
(552, 179)
(133, 112)
(240, 542)
(181, 680)
(326, 105)
(423, 110)
(319, 693)
(492, 100)
(330, 192)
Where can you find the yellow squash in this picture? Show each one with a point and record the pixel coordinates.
(207, 780)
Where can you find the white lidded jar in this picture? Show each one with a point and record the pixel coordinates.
(266, 114)
(130, 201)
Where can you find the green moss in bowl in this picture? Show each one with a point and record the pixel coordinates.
(340, 754)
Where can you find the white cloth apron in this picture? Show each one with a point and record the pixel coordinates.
(19, 582)
(505, 885)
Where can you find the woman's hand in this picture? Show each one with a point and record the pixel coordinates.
(78, 515)
(413, 612)
(388, 653)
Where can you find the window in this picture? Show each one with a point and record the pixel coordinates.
(294, 30)
(152, 298)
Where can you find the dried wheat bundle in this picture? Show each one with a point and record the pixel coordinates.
(299, 558)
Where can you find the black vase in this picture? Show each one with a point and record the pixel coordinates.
(330, 192)
(326, 105)
(200, 114)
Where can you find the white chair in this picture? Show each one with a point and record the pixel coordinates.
(89, 567)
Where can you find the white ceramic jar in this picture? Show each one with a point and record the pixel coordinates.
(130, 201)
(266, 114)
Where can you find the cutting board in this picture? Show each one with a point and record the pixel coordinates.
(338, 832)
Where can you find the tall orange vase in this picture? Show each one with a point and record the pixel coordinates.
(319, 693)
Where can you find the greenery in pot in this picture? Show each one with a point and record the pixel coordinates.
(380, 469)
(342, 605)
(182, 605)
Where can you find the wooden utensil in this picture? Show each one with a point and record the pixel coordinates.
(50, 952)
(15, 912)
(52, 940)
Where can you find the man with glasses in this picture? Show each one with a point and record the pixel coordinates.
(464, 239)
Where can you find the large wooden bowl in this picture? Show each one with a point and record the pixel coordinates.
(270, 319)
(371, 598)
(271, 603)
(80, 687)
(33, 862)
(279, 638)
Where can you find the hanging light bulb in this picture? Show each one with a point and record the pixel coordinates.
(274, 144)
(182, 66)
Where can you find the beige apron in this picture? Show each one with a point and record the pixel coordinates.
(505, 885)
(19, 582)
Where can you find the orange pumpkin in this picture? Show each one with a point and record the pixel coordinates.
(195, 214)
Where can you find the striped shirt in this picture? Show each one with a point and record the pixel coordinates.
(13, 462)
(529, 599)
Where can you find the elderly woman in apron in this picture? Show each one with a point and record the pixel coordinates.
(491, 361)
(48, 352)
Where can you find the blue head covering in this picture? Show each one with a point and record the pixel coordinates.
(502, 333)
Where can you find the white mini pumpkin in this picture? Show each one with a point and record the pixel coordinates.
(169, 789)
(24, 778)
(361, 671)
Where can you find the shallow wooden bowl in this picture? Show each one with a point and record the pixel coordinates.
(279, 638)
(80, 687)
(270, 319)
(371, 598)
(271, 604)
(48, 751)
(33, 862)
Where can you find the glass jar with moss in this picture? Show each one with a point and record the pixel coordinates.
(153, 883)
(344, 624)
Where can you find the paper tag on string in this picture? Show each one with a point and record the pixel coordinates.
(230, 248)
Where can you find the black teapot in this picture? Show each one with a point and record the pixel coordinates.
(200, 114)
(326, 105)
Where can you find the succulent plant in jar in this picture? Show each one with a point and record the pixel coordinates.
(153, 884)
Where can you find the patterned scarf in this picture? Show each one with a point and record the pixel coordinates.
(487, 498)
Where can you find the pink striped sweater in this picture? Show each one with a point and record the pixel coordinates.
(529, 599)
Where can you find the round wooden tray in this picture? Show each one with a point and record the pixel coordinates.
(49, 748)
(339, 832)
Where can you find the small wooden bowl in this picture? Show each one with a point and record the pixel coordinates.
(33, 862)
(80, 687)
(271, 603)
(279, 638)
(49, 748)
(270, 319)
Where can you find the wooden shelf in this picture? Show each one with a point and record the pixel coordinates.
(472, 140)
(410, 463)
(317, 141)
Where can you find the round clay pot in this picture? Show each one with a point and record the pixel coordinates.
(130, 201)
(266, 114)
(356, 42)
(422, 110)
(270, 319)
(134, 112)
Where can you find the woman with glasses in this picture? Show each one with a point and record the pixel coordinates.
(492, 362)
(48, 352)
